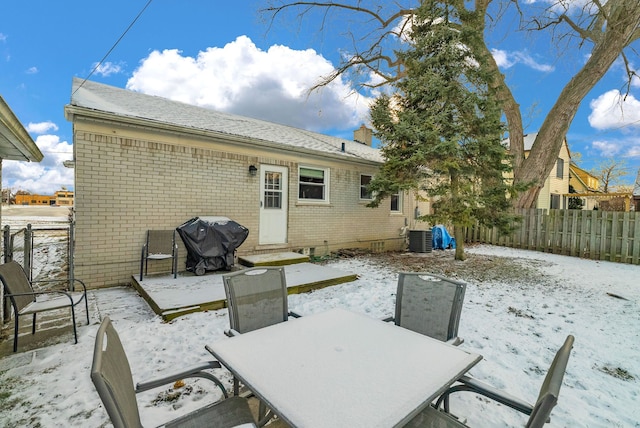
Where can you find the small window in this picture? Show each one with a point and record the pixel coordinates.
(313, 184)
(560, 168)
(555, 202)
(365, 193)
(396, 202)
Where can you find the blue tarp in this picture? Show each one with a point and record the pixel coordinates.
(441, 240)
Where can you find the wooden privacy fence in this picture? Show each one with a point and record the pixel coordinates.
(598, 235)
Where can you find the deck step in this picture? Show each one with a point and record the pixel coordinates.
(273, 259)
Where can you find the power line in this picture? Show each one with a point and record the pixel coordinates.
(113, 47)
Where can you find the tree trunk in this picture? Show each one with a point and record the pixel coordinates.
(458, 234)
(621, 24)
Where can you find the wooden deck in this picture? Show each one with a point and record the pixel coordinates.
(172, 297)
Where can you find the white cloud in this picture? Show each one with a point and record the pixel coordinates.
(627, 147)
(242, 79)
(41, 127)
(32, 70)
(613, 110)
(106, 68)
(506, 59)
(606, 148)
(43, 177)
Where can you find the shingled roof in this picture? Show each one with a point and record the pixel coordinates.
(94, 98)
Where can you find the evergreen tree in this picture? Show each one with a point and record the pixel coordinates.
(441, 133)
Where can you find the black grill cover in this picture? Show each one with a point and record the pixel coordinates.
(211, 242)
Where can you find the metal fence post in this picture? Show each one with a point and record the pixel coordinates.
(70, 246)
(28, 251)
(6, 244)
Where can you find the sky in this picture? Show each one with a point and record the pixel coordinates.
(516, 324)
(229, 57)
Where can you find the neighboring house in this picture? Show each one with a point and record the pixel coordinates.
(15, 144)
(554, 192)
(61, 198)
(585, 186)
(145, 162)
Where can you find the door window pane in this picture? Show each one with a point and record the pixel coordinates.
(272, 190)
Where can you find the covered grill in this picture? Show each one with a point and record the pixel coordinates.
(211, 242)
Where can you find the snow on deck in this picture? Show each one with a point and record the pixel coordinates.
(172, 297)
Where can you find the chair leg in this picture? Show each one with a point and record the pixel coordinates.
(86, 306)
(141, 263)
(15, 334)
(73, 317)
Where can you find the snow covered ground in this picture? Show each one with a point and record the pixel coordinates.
(517, 326)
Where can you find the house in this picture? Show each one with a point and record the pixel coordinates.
(556, 186)
(59, 198)
(585, 186)
(15, 144)
(145, 162)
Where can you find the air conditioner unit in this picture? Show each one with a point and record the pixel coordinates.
(420, 241)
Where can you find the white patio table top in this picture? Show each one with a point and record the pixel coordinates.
(342, 369)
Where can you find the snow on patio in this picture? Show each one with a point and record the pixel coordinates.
(516, 326)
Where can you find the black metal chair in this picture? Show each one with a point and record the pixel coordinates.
(111, 376)
(538, 413)
(429, 304)
(25, 300)
(160, 245)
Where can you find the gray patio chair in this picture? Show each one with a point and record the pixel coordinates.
(111, 376)
(25, 300)
(160, 245)
(539, 413)
(429, 304)
(256, 298)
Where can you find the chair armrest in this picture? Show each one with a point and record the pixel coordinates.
(54, 281)
(193, 371)
(470, 384)
(231, 333)
(35, 293)
(455, 341)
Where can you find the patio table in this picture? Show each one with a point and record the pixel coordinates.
(342, 369)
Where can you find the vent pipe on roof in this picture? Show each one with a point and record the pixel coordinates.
(342, 148)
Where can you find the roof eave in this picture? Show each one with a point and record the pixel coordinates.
(73, 110)
(15, 134)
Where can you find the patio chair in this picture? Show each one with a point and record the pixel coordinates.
(160, 245)
(256, 298)
(538, 413)
(111, 376)
(27, 301)
(429, 304)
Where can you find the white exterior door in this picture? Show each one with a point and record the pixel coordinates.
(274, 187)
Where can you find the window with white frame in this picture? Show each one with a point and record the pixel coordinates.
(396, 202)
(365, 193)
(313, 184)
